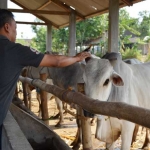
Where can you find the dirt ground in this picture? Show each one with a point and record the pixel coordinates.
(69, 129)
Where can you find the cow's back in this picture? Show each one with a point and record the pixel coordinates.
(136, 85)
(67, 76)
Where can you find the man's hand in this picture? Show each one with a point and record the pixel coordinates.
(81, 56)
(62, 61)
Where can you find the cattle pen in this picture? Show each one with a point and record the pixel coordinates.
(95, 106)
(113, 109)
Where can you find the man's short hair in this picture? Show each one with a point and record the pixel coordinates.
(5, 17)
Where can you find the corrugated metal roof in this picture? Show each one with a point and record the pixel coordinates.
(83, 8)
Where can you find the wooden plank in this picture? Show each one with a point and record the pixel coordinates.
(39, 11)
(128, 2)
(34, 23)
(66, 7)
(40, 17)
(44, 5)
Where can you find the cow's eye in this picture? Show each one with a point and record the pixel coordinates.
(106, 82)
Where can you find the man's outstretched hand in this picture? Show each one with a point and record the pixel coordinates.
(81, 56)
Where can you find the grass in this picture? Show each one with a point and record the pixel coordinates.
(131, 53)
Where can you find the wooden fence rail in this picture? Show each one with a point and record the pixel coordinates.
(119, 110)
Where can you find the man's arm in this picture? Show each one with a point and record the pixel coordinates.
(61, 60)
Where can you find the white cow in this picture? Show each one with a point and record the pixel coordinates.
(114, 80)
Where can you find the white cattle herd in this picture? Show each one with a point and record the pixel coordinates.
(110, 79)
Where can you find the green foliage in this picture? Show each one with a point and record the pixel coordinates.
(126, 23)
(131, 53)
(21, 41)
(99, 54)
(60, 40)
(39, 42)
(144, 23)
(91, 28)
(147, 59)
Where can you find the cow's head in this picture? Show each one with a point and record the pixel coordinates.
(99, 76)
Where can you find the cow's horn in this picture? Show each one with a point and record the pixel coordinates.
(88, 49)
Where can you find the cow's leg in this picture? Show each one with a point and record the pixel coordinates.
(29, 97)
(78, 139)
(39, 100)
(127, 134)
(60, 108)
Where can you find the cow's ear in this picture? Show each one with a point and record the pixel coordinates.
(116, 79)
(88, 49)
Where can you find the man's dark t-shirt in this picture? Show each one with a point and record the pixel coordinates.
(13, 57)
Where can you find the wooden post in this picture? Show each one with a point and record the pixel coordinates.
(113, 26)
(3, 4)
(72, 34)
(16, 90)
(25, 90)
(43, 95)
(86, 126)
(49, 38)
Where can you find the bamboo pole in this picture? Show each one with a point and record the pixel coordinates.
(119, 110)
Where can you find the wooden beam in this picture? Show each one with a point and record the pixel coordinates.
(128, 2)
(40, 17)
(39, 11)
(34, 23)
(44, 5)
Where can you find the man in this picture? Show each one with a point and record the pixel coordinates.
(13, 57)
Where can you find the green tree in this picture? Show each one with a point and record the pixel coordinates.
(39, 42)
(60, 40)
(127, 23)
(91, 28)
(144, 23)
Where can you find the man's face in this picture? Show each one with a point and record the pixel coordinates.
(10, 28)
(12, 31)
